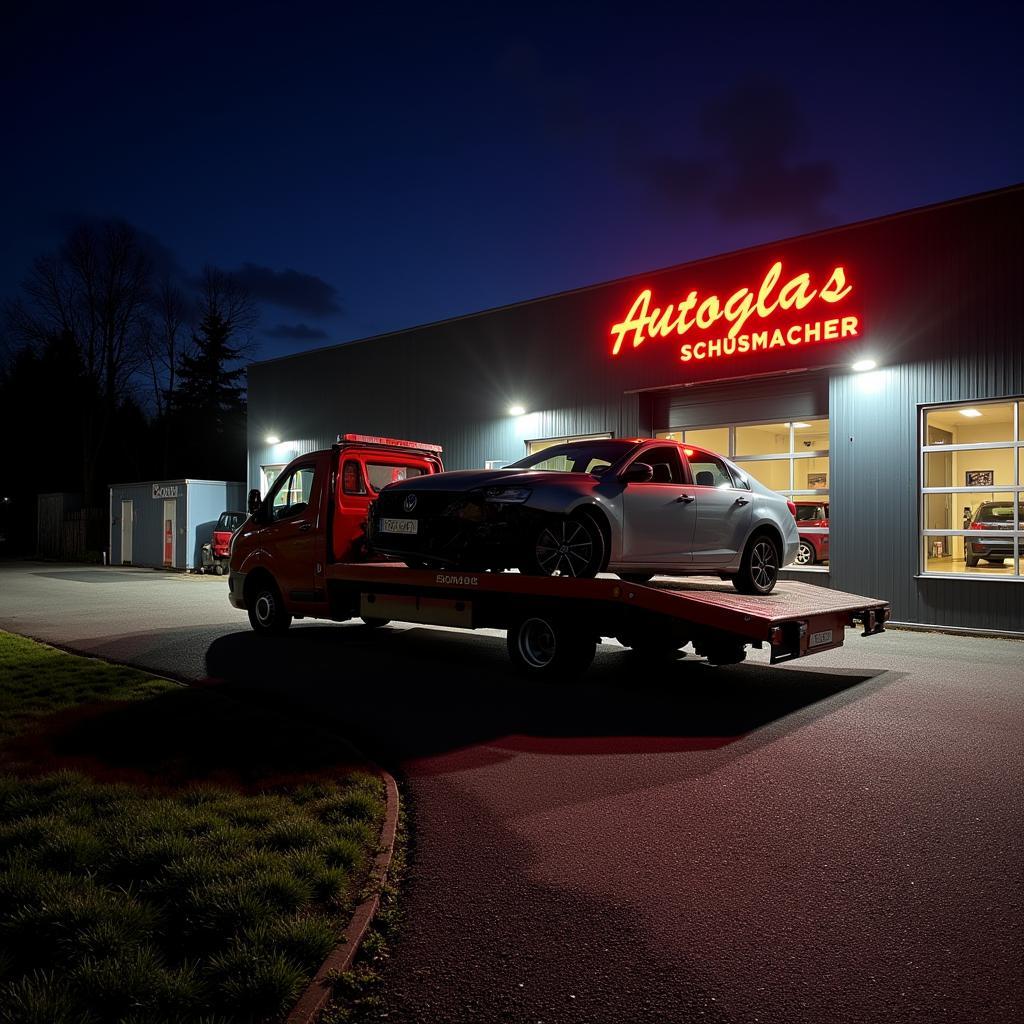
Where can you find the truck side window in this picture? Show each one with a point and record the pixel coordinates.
(293, 494)
(352, 478)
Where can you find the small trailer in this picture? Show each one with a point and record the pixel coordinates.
(555, 623)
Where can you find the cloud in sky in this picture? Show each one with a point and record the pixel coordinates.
(749, 169)
(289, 289)
(296, 332)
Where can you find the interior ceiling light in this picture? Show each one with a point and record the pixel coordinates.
(516, 410)
(970, 413)
(864, 364)
(798, 426)
(272, 439)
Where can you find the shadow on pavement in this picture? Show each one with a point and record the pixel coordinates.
(414, 693)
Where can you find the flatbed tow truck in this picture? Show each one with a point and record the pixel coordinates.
(302, 554)
(554, 623)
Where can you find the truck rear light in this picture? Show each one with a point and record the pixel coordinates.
(792, 507)
(775, 636)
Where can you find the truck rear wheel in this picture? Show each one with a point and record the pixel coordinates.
(267, 613)
(547, 646)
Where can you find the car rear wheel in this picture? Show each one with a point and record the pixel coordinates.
(804, 553)
(267, 613)
(567, 546)
(759, 569)
(544, 645)
(972, 561)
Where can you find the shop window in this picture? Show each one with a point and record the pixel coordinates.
(538, 445)
(791, 457)
(972, 471)
(268, 474)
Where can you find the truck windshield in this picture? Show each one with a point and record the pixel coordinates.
(577, 456)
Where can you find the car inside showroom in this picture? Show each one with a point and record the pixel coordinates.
(873, 374)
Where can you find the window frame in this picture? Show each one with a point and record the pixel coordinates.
(1016, 489)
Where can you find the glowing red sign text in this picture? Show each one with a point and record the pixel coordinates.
(797, 293)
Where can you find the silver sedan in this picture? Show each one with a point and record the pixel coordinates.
(636, 507)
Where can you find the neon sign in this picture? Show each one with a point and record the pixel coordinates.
(645, 321)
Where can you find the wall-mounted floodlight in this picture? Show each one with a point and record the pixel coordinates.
(863, 365)
(516, 410)
(272, 439)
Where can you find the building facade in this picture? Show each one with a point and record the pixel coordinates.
(908, 471)
(165, 523)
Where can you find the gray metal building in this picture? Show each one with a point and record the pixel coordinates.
(165, 523)
(911, 465)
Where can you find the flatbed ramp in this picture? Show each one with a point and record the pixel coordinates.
(795, 620)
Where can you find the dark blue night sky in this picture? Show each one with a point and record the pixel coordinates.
(365, 171)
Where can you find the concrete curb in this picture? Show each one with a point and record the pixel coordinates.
(339, 960)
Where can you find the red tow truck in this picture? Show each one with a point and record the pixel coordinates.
(303, 553)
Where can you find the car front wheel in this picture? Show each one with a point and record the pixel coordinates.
(569, 546)
(759, 569)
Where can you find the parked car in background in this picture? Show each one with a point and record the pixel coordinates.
(217, 551)
(813, 548)
(633, 506)
(991, 516)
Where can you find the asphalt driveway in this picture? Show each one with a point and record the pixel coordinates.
(832, 840)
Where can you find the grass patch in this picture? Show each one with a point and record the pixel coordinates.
(166, 853)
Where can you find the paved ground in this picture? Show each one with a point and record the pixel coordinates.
(834, 840)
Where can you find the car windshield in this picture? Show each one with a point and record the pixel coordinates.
(230, 521)
(993, 512)
(592, 457)
(805, 513)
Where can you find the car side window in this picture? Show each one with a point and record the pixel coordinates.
(665, 461)
(293, 494)
(709, 470)
(738, 479)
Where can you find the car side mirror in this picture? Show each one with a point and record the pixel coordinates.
(254, 501)
(638, 473)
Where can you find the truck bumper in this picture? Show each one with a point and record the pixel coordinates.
(236, 589)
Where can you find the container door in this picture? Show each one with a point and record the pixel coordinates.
(170, 529)
(127, 521)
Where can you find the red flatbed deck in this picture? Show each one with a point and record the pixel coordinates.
(796, 619)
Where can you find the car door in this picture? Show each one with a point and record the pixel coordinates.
(722, 510)
(658, 517)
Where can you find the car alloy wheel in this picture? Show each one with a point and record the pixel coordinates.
(764, 565)
(804, 554)
(569, 547)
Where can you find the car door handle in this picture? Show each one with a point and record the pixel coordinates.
(742, 501)
(305, 526)
(687, 498)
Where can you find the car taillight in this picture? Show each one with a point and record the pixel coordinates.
(792, 508)
(977, 526)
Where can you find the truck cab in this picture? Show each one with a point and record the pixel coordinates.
(315, 514)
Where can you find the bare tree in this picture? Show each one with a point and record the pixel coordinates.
(165, 338)
(222, 296)
(96, 291)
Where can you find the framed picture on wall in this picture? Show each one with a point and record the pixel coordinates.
(980, 477)
(817, 479)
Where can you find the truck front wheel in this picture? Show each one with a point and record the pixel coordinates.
(541, 645)
(267, 613)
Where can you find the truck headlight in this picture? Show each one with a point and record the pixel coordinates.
(507, 495)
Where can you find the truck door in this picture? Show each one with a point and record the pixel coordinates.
(294, 536)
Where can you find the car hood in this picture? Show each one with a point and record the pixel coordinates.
(471, 479)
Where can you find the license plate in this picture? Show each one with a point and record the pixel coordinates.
(399, 526)
(824, 637)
